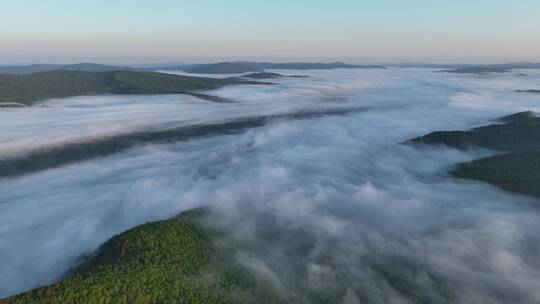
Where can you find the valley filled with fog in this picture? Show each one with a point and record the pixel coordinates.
(315, 161)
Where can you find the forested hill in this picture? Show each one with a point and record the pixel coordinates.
(25, 89)
(170, 261)
(516, 169)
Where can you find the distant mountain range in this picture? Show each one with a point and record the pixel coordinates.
(36, 68)
(241, 67)
(310, 66)
(213, 68)
(221, 68)
(506, 66)
(247, 66)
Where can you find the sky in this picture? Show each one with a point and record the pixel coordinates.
(358, 31)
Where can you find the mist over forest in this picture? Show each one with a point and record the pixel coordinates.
(308, 178)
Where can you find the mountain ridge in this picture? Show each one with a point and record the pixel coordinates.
(29, 88)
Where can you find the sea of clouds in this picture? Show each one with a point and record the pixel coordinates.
(332, 202)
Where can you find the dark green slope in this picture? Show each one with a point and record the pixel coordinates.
(25, 89)
(517, 132)
(170, 261)
(517, 171)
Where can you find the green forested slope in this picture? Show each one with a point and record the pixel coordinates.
(517, 171)
(170, 261)
(518, 132)
(178, 261)
(56, 84)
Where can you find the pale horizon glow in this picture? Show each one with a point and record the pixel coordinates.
(356, 31)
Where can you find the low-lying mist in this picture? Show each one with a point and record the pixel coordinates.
(326, 204)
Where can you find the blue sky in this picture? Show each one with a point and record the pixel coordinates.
(134, 31)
